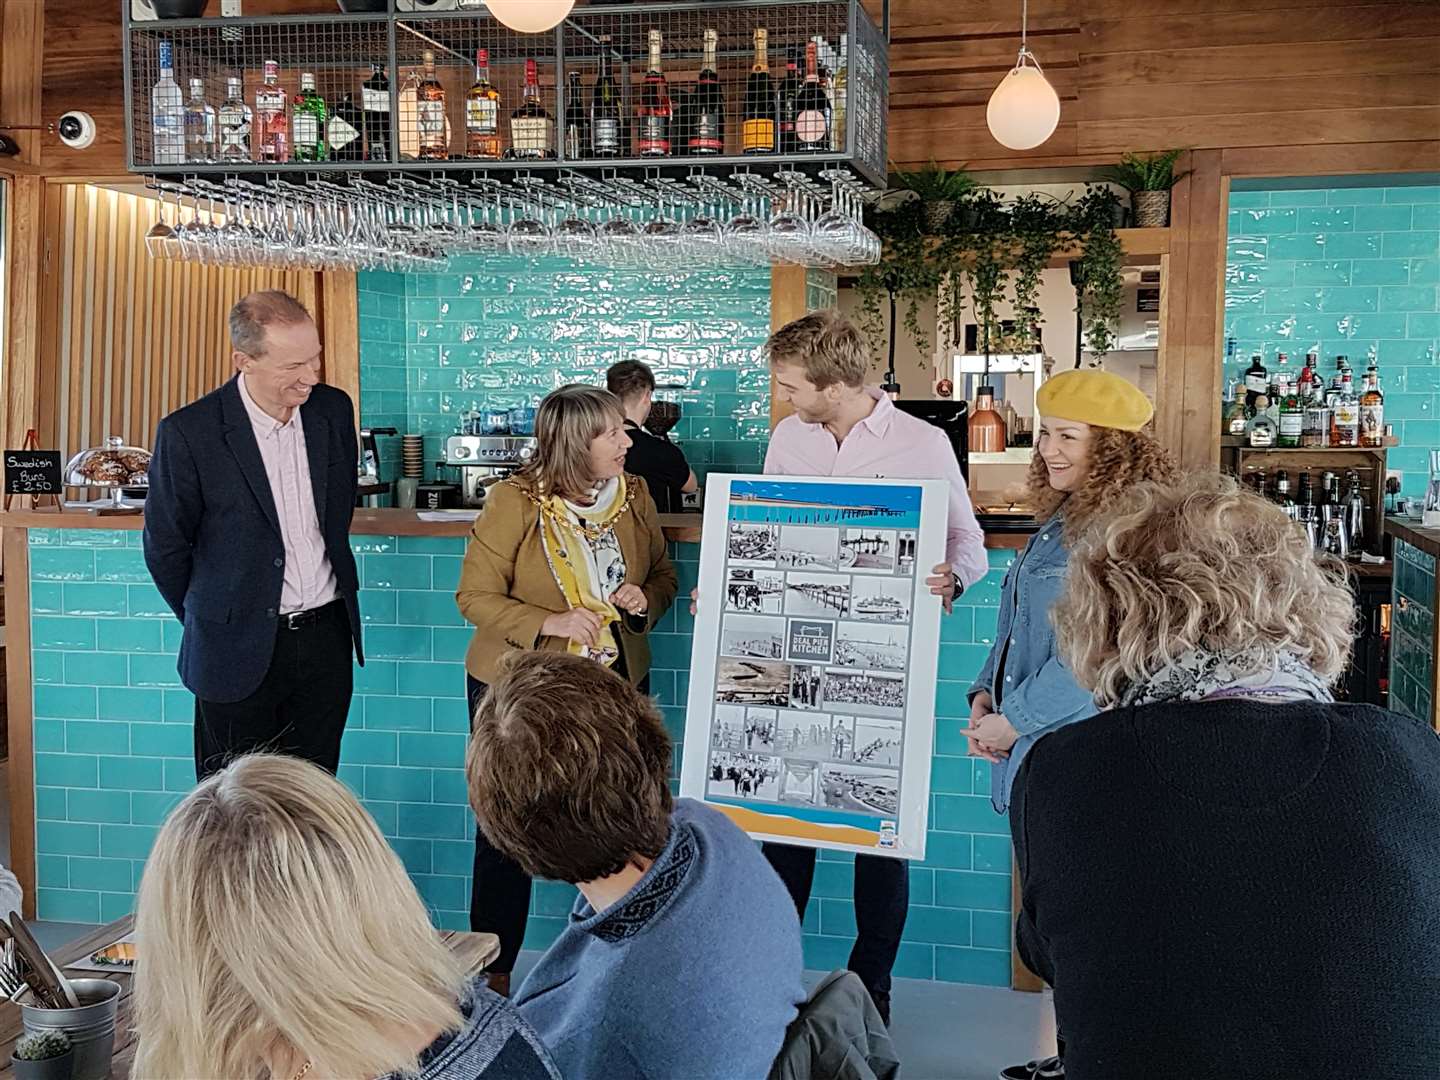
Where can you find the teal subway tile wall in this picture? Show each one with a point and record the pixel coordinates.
(1345, 270)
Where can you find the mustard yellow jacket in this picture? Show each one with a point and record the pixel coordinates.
(507, 589)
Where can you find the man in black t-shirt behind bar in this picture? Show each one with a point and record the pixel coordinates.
(653, 457)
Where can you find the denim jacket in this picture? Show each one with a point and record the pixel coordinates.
(1034, 691)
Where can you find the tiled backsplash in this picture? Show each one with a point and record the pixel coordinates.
(1349, 271)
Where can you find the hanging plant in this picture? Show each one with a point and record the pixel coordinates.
(1036, 223)
(905, 267)
(1100, 288)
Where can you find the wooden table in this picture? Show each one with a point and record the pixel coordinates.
(478, 950)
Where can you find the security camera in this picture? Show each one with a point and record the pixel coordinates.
(76, 130)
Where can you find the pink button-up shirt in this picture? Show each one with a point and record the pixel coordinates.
(309, 579)
(887, 443)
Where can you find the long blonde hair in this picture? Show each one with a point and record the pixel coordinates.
(276, 924)
(1199, 564)
(568, 421)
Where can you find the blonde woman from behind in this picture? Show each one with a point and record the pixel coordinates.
(282, 938)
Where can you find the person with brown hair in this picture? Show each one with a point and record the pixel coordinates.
(652, 456)
(566, 556)
(568, 769)
(1234, 877)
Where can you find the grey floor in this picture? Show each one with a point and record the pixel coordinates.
(942, 1031)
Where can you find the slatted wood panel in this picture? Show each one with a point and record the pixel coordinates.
(129, 338)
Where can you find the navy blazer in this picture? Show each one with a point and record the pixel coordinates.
(212, 536)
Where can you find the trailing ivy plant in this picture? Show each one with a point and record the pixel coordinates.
(1036, 224)
(906, 268)
(1100, 288)
(990, 252)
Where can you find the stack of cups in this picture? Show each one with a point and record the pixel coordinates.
(412, 470)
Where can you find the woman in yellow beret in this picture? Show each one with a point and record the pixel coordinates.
(1089, 448)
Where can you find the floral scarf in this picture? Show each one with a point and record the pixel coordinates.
(585, 558)
(1202, 675)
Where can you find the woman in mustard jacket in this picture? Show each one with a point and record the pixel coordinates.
(567, 555)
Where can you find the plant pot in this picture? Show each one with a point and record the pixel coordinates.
(91, 1027)
(364, 7)
(937, 215)
(1152, 209)
(55, 1068)
(178, 9)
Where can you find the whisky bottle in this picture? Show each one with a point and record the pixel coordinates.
(532, 128)
(654, 111)
(1372, 409)
(430, 113)
(1345, 416)
(757, 131)
(482, 112)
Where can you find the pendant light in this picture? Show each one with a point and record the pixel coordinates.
(530, 16)
(1024, 109)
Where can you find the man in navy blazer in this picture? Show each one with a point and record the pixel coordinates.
(247, 535)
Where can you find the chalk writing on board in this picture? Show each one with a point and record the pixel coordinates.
(32, 472)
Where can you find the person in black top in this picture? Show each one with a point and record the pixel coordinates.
(654, 457)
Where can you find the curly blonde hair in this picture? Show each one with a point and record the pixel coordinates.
(1198, 564)
(1118, 461)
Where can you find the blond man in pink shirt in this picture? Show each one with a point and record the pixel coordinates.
(842, 427)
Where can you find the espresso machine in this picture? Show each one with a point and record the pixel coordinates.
(480, 461)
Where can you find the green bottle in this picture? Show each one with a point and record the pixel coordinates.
(307, 122)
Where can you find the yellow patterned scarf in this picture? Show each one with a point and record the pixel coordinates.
(566, 537)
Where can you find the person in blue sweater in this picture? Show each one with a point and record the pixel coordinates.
(681, 957)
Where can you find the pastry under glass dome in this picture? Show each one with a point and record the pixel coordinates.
(113, 467)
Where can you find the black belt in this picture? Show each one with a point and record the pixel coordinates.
(294, 620)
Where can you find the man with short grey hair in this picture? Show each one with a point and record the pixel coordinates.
(247, 535)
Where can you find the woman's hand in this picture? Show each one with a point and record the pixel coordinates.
(943, 583)
(982, 704)
(579, 625)
(991, 736)
(630, 598)
(695, 600)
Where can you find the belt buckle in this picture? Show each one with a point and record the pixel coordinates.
(292, 620)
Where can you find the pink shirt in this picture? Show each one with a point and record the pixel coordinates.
(887, 443)
(309, 579)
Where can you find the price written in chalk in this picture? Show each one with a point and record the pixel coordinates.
(32, 472)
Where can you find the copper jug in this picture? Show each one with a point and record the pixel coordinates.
(987, 427)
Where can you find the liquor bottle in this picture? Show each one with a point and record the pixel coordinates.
(654, 111)
(270, 112)
(375, 96)
(167, 113)
(1306, 513)
(577, 120)
(430, 112)
(1354, 512)
(1260, 429)
(1257, 482)
(482, 112)
(235, 121)
(532, 128)
(1342, 365)
(812, 108)
(1232, 411)
(342, 131)
(605, 108)
(757, 132)
(1316, 431)
(201, 126)
(1282, 494)
(707, 114)
(1257, 382)
(1345, 416)
(307, 122)
(1292, 417)
(838, 96)
(786, 97)
(1278, 391)
(1372, 409)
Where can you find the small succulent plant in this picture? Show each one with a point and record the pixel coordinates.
(42, 1046)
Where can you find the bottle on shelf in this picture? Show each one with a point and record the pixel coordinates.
(1292, 417)
(1282, 495)
(482, 112)
(605, 136)
(1257, 382)
(1316, 431)
(342, 131)
(307, 122)
(577, 120)
(757, 129)
(840, 89)
(1232, 415)
(1372, 409)
(1355, 513)
(201, 125)
(1345, 416)
(1257, 482)
(786, 96)
(375, 97)
(1260, 429)
(235, 123)
(271, 112)
(430, 112)
(532, 128)
(1307, 514)
(654, 111)
(167, 113)
(812, 108)
(1342, 365)
(707, 107)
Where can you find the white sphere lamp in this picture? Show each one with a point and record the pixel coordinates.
(530, 16)
(1024, 110)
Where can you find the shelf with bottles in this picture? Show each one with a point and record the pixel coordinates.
(766, 85)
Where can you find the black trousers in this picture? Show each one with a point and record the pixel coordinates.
(499, 886)
(299, 708)
(882, 900)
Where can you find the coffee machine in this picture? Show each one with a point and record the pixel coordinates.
(481, 461)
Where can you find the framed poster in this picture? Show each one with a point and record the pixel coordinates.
(812, 682)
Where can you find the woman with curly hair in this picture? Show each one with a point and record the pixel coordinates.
(1089, 450)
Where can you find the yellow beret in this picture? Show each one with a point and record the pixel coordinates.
(1097, 398)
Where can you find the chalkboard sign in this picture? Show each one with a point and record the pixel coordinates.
(32, 472)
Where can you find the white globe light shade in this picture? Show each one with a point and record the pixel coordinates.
(1023, 110)
(530, 16)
